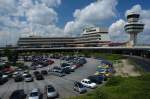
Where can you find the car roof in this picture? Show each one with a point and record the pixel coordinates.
(86, 79)
(35, 90)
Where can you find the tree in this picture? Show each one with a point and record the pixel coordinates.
(12, 55)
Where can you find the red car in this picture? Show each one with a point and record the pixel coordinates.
(50, 62)
(78, 65)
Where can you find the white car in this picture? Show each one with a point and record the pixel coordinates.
(51, 92)
(35, 94)
(88, 83)
(39, 66)
(4, 76)
(24, 74)
(73, 67)
(15, 74)
(28, 78)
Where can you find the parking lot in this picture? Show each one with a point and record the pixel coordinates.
(64, 85)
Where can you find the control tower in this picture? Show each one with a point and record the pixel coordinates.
(133, 27)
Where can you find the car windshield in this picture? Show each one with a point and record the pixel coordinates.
(80, 85)
(51, 89)
(33, 94)
(89, 82)
(28, 75)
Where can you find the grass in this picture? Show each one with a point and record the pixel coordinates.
(121, 88)
(137, 67)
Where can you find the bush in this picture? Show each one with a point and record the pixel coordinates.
(114, 81)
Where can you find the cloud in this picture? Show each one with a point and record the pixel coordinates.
(23, 17)
(118, 28)
(41, 14)
(26, 3)
(92, 14)
(136, 9)
(7, 7)
(116, 31)
(52, 3)
(49, 30)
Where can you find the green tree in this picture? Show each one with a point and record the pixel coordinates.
(12, 55)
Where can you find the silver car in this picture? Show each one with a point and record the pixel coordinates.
(79, 87)
(35, 94)
(51, 92)
(28, 78)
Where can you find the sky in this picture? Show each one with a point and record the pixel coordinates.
(56, 18)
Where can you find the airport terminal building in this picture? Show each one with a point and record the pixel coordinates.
(91, 37)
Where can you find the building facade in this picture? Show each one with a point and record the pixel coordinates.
(91, 37)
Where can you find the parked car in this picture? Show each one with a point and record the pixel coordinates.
(5, 76)
(15, 74)
(18, 94)
(66, 70)
(18, 78)
(82, 60)
(44, 72)
(96, 79)
(33, 67)
(44, 64)
(28, 78)
(36, 73)
(88, 83)
(57, 73)
(73, 67)
(24, 74)
(50, 62)
(101, 70)
(39, 66)
(65, 64)
(79, 87)
(56, 68)
(35, 94)
(39, 77)
(51, 92)
(3, 80)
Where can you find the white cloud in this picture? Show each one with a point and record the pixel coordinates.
(22, 17)
(93, 13)
(136, 9)
(116, 31)
(7, 7)
(117, 28)
(26, 3)
(41, 14)
(52, 3)
(49, 30)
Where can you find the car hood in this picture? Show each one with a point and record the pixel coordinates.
(82, 89)
(52, 94)
(93, 84)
